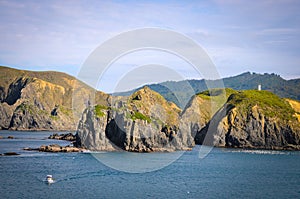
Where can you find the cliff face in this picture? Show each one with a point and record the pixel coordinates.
(254, 119)
(41, 100)
(201, 109)
(144, 122)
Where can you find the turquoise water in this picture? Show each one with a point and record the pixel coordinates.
(223, 173)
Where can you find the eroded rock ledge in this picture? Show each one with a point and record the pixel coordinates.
(55, 148)
(66, 136)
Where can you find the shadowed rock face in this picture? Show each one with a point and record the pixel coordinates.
(253, 119)
(144, 122)
(15, 90)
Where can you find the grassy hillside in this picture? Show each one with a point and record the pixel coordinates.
(149, 105)
(270, 104)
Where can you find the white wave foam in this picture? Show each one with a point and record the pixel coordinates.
(264, 152)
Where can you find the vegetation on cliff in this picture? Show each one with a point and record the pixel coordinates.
(272, 105)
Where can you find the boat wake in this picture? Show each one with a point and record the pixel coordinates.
(262, 152)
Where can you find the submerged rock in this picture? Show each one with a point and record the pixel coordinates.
(10, 153)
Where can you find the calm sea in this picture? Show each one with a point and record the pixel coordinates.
(223, 173)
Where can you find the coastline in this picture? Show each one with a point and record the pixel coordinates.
(70, 148)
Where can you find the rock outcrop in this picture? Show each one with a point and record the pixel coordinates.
(144, 122)
(253, 119)
(201, 109)
(66, 136)
(55, 148)
(9, 154)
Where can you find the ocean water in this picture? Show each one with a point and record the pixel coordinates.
(223, 173)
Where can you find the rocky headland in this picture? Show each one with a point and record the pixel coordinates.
(145, 121)
(254, 119)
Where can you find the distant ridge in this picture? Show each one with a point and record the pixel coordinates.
(175, 91)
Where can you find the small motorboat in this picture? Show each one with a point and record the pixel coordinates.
(49, 179)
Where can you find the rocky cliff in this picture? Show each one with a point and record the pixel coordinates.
(143, 122)
(254, 119)
(201, 109)
(41, 100)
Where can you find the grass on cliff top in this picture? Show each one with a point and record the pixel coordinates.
(98, 110)
(217, 94)
(215, 98)
(146, 100)
(137, 115)
(271, 104)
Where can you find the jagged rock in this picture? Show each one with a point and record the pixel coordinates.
(67, 136)
(145, 122)
(55, 148)
(15, 90)
(6, 113)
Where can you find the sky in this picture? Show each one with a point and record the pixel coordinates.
(238, 36)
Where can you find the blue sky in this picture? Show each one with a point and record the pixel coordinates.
(258, 36)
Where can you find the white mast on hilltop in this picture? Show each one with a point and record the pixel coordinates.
(259, 87)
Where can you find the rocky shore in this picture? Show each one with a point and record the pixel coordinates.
(55, 148)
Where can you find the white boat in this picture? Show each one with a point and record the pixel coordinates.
(49, 179)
